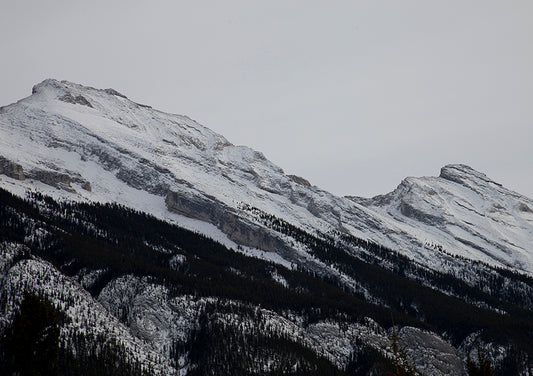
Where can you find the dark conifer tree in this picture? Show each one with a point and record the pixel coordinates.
(31, 343)
(482, 367)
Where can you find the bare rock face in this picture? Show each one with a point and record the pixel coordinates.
(114, 92)
(465, 175)
(11, 169)
(211, 210)
(60, 179)
(299, 180)
(53, 178)
(79, 99)
(409, 210)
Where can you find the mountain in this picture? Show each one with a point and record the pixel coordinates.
(97, 145)
(100, 195)
(464, 212)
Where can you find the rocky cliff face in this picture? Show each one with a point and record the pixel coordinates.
(11, 169)
(239, 230)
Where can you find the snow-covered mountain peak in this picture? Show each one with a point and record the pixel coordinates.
(110, 115)
(70, 92)
(49, 85)
(54, 86)
(465, 212)
(98, 138)
(59, 96)
(458, 180)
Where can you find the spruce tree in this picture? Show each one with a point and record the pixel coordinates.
(483, 367)
(31, 342)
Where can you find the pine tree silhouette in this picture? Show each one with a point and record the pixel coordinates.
(31, 342)
(483, 367)
(401, 364)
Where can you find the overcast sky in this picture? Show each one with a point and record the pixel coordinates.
(352, 95)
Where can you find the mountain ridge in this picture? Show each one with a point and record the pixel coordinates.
(102, 192)
(126, 150)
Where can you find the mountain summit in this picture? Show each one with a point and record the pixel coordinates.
(464, 212)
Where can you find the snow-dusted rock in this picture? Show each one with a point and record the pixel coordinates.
(430, 354)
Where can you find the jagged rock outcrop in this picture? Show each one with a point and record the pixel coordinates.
(59, 180)
(11, 169)
(53, 178)
(299, 180)
(114, 92)
(79, 99)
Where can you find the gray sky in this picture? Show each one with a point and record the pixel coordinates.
(352, 95)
